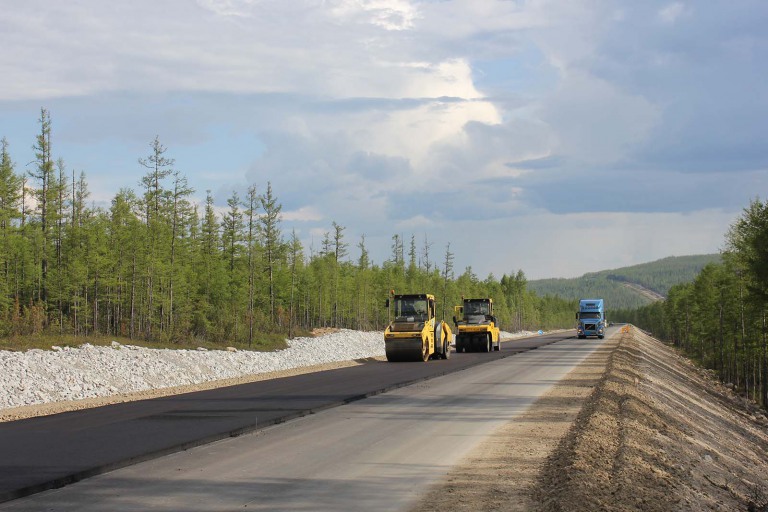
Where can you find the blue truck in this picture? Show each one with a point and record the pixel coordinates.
(590, 319)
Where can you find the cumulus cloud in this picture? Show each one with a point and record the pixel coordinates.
(388, 14)
(569, 119)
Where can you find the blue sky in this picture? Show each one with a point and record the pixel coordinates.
(557, 137)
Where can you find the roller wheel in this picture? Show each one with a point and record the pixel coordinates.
(424, 350)
(488, 343)
(447, 349)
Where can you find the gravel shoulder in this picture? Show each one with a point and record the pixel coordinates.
(42, 382)
(44, 409)
(635, 427)
(502, 472)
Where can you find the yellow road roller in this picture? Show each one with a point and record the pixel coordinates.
(477, 329)
(414, 333)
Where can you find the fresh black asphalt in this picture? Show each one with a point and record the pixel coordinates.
(52, 451)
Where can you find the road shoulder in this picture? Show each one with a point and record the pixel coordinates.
(501, 473)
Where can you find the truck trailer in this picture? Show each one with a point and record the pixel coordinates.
(590, 319)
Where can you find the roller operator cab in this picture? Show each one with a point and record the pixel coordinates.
(590, 319)
(415, 334)
(477, 329)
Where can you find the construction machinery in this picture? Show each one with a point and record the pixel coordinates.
(477, 329)
(414, 333)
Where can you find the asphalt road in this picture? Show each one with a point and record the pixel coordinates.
(48, 452)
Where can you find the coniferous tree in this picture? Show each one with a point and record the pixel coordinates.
(232, 227)
(44, 174)
(155, 196)
(180, 210)
(269, 229)
(251, 205)
(295, 262)
(339, 251)
(10, 199)
(447, 274)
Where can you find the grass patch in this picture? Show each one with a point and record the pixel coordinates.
(263, 342)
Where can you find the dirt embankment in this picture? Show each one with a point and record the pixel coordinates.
(635, 427)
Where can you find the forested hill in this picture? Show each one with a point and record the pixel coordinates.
(614, 285)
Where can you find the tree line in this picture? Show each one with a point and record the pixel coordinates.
(658, 276)
(719, 318)
(157, 266)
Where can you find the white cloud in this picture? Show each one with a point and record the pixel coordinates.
(239, 8)
(387, 14)
(672, 12)
(547, 245)
(478, 106)
(595, 121)
(303, 214)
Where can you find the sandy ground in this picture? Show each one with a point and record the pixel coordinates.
(635, 427)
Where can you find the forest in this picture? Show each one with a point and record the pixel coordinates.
(157, 266)
(719, 318)
(659, 276)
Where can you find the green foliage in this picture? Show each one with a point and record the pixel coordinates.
(611, 285)
(719, 318)
(155, 268)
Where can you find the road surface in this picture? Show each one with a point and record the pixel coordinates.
(379, 453)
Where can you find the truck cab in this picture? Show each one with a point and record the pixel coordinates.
(590, 319)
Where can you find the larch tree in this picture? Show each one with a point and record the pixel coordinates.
(251, 213)
(10, 202)
(339, 251)
(295, 261)
(180, 209)
(44, 173)
(447, 274)
(159, 167)
(269, 230)
(232, 227)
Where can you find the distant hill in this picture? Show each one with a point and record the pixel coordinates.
(628, 287)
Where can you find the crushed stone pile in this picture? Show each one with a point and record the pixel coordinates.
(67, 374)
(42, 376)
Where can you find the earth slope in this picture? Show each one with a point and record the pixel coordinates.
(635, 427)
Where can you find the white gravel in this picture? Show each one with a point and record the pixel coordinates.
(43, 376)
(63, 374)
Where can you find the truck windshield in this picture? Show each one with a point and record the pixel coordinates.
(585, 315)
(409, 310)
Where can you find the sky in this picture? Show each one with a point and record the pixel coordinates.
(556, 137)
